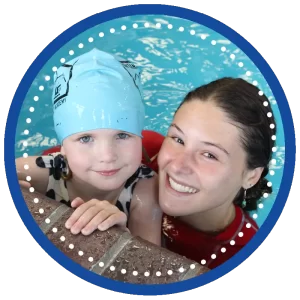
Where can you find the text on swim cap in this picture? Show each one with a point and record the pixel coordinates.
(61, 88)
(60, 102)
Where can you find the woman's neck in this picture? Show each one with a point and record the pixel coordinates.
(77, 188)
(212, 221)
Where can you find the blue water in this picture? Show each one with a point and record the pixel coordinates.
(173, 62)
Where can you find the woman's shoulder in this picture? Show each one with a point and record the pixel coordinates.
(241, 230)
(249, 222)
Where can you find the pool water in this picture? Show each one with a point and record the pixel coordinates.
(174, 59)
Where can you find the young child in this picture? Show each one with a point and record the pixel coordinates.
(98, 119)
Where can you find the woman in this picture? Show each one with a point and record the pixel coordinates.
(212, 168)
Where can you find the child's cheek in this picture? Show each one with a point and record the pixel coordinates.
(78, 160)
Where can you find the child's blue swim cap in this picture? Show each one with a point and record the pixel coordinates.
(97, 90)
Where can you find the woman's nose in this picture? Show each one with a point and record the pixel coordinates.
(182, 163)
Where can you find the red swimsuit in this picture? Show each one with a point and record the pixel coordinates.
(198, 246)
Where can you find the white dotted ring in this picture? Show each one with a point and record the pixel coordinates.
(135, 26)
(113, 268)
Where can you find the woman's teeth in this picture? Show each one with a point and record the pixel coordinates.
(181, 188)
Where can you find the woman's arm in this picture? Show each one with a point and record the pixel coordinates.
(145, 214)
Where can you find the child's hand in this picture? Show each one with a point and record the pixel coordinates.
(94, 214)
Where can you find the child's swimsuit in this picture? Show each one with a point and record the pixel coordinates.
(57, 188)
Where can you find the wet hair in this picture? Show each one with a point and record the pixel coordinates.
(244, 105)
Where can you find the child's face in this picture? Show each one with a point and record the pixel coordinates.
(201, 162)
(104, 158)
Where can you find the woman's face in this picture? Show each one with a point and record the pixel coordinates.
(202, 164)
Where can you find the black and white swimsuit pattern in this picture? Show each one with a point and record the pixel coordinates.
(57, 188)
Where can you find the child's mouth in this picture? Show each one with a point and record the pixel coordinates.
(108, 172)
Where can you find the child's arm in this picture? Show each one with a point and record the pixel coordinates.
(39, 176)
(145, 214)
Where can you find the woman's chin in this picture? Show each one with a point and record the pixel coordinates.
(176, 205)
(172, 208)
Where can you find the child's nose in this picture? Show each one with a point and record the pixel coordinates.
(105, 152)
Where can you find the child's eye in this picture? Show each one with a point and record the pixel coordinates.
(86, 139)
(209, 155)
(123, 136)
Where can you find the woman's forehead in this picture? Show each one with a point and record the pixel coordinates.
(203, 114)
(204, 120)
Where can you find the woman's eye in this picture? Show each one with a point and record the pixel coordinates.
(209, 155)
(86, 139)
(178, 140)
(123, 136)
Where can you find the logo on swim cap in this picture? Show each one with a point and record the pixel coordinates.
(132, 71)
(61, 85)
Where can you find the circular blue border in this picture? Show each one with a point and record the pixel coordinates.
(146, 9)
